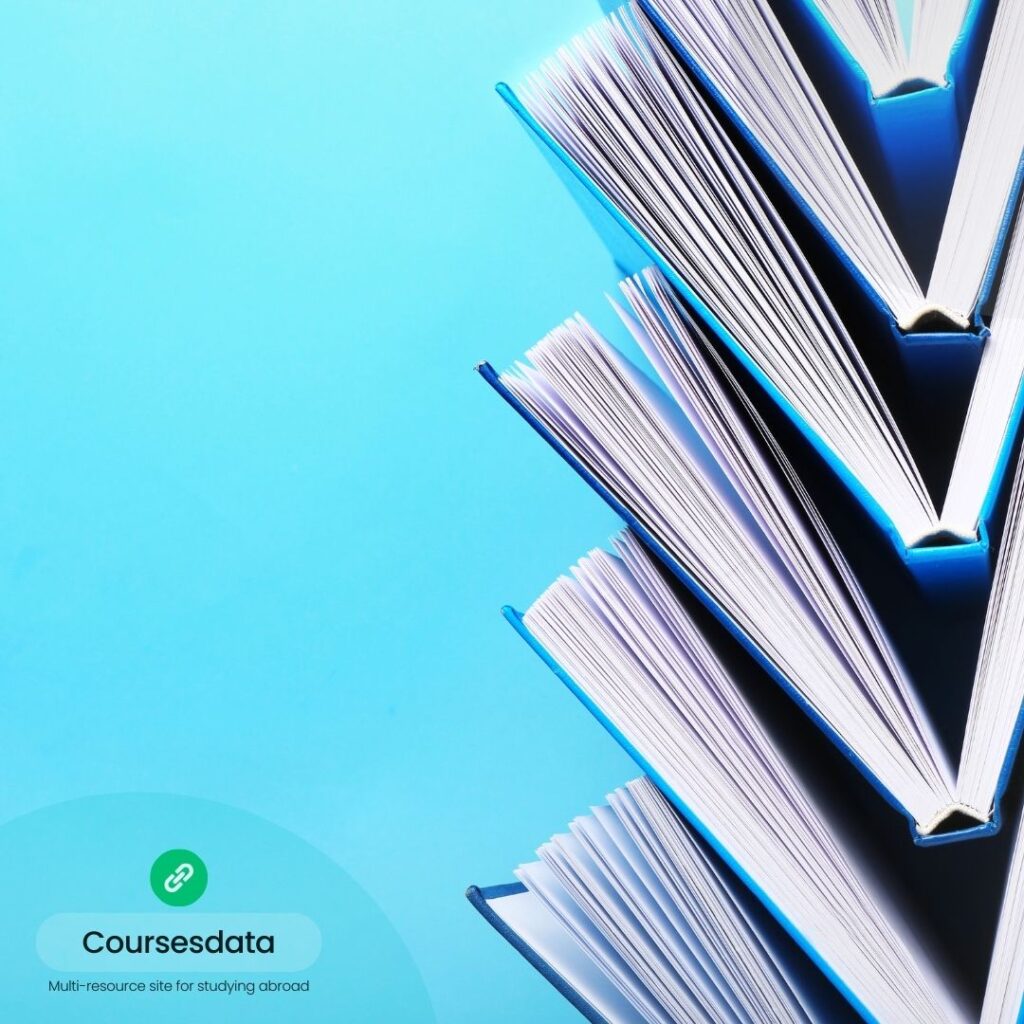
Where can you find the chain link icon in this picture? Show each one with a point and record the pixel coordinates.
(178, 877)
(174, 881)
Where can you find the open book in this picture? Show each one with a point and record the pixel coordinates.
(618, 635)
(616, 107)
(703, 483)
(748, 61)
(635, 919)
(900, 106)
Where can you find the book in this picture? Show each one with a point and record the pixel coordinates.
(618, 110)
(634, 912)
(743, 55)
(635, 918)
(695, 472)
(617, 634)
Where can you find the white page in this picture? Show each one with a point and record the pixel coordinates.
(609, 846)
(1004, 991)
(673, 702)
(676, 983)
(989, 162)
(541, 881)
(741, 46)
(690, 880)
(872, 35)
(999, 679)
(710, 952)
(936, 26)
(992, 401)
(618, 102)
(807, 617)
(528, 918)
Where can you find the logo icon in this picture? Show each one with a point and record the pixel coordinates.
(178, 877)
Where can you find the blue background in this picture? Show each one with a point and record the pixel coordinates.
(258, 515)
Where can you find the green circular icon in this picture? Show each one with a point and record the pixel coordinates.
(178, 877)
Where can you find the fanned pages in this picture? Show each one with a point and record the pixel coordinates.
(989, 165)
(1004, 992)
(995, 402)
(637, 917)
(656, 907)
(707, 493)
(634, 888)
(870, 30)
(743, 50)
(679, 178)
(936, 25)
(619, 633)
(701, 475)
(993, 721)
(618, 103)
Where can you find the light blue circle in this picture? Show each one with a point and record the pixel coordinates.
(93, 856)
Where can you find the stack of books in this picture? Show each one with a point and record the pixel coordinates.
(814, 616)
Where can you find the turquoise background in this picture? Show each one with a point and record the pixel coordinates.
(257, 514)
